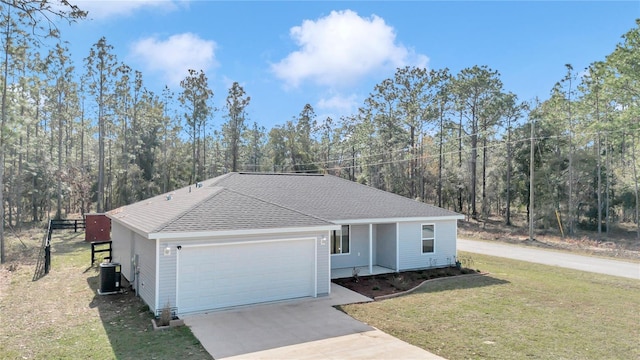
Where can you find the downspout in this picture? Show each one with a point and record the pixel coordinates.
(328, 241)
(157, 289)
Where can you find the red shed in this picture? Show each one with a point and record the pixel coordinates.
(98, 228)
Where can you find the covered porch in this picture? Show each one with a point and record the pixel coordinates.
(369, 248)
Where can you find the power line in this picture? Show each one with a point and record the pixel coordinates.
(407, 150)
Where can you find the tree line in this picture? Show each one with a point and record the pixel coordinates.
(94, 137)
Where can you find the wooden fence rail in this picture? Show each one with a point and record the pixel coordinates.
(74, 224)
(43, 264)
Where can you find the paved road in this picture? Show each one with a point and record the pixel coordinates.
(553, 258)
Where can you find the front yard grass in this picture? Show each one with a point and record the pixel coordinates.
(520, 310)
(60, 316)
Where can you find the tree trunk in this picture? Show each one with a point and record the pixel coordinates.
(108, 204)
(352, 173)
(530, 208)
(635, 183)
(508, 195)
(413, 162)
(474, 164)
(59, 175)
(606, 195)
(460, 164)
(194, 154)
(485, 214)
(440, 159)
(101, 135)
(3, 122)
(20, 186)
(572, 211)
(83, 208)
(203, 171)
(599, 187)
(2, 246)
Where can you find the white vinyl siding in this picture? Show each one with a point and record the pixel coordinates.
(146, 249)
(323, 281)
(359, 249)
(386, 245)
(121, 239)
(410, 245)
(167, 274)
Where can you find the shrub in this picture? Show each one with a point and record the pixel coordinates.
(355, 272)
(466, 261)
(165, 316)
(400, 283)
(449, 273)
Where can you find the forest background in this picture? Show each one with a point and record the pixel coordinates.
(91, 138)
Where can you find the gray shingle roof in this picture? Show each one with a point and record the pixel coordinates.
(329, 197)
(152, 214)
(230, 210)
(239, 201)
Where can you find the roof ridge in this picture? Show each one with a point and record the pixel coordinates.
(169, 194)
(281, 174)
(278, 205)
(219, 178)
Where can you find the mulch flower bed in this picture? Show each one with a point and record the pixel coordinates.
(386, 284)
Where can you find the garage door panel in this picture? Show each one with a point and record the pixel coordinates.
(227, 275)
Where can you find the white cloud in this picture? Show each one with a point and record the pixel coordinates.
(341, 48)
(102, 9)
(174, 56)
(339, 104)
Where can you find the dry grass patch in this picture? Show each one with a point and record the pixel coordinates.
(60, 316)
(521, 310)
(621, 242)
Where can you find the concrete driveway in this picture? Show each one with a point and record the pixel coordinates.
(553, 258)
(298, 329)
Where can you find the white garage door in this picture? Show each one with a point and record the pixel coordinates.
(218, 276)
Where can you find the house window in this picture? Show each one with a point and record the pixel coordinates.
(340, 240)
(428, 238)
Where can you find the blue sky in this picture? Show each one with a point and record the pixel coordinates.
(330, 54)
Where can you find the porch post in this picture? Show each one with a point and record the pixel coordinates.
(397, 246)
(371, 249)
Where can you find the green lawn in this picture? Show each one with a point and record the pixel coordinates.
(520, 310)
(60, 316)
